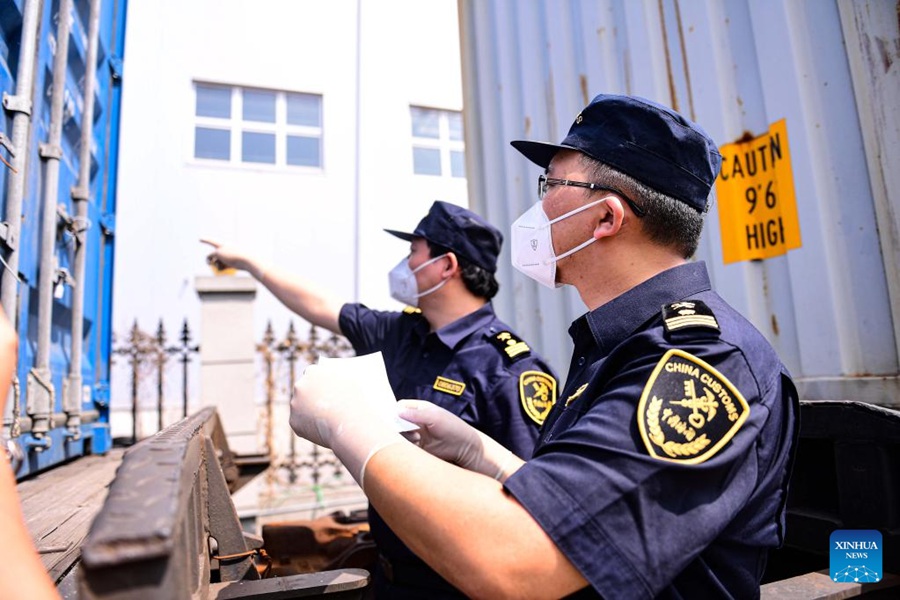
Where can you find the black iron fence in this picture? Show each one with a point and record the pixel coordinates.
(281, 360)
(150, 354)
(163, 383)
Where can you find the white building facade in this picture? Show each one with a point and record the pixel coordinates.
(296, 129)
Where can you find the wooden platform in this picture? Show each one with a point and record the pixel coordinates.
(59, 506)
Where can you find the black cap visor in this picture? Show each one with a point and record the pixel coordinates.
(540, 153)
(402, 235)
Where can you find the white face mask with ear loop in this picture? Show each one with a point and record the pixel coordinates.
(531, 248)
(402, 281)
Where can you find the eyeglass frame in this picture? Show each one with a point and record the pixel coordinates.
(545, 182)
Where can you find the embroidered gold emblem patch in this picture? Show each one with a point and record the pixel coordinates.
(688, 410)
(412, 310)
(537, 391)
(442, 384)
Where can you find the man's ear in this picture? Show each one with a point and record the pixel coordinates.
(610, 219)
(452, 265)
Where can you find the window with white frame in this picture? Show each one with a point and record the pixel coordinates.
(253, 126)
(437, 142)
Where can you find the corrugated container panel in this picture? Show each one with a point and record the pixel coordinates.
(92, 434)
(829, 69)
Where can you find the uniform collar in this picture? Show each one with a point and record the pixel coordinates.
(620, 317)
(450, 335)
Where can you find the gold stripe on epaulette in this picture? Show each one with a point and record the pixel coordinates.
(702, 320)
(516, 349)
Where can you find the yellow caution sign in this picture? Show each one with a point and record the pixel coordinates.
(755, 192)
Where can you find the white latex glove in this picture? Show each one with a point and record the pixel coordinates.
(340, 405)
(448, 437)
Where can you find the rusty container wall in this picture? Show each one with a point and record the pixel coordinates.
(828, 68)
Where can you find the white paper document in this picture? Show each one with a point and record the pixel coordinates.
(366, 377)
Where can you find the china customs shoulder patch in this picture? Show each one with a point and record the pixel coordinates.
(688, 410)
(537, 391)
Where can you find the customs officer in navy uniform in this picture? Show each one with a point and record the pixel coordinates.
(448, 347)
(662, 471)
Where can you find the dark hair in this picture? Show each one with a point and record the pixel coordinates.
(668, 221)
(478, 280)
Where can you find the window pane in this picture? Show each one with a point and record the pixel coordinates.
(212, 143)
(304, 109)
(259, 106)
(457, 163)
(258, 147)
(424, 122)
(426, 161)
(456, 125)
(213, 101)
(303, 151)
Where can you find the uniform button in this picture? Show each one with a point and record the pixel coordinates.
(581, 361)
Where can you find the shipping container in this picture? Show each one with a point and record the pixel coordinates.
(826, 72)
(61, 79)
(811, 84)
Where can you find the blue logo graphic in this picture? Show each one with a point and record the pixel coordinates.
(855, 556)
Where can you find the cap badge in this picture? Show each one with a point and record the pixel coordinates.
(688, 410)
(537, 391)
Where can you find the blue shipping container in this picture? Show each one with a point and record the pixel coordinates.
(58, 185)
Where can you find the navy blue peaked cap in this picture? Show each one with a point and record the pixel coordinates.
(460, 230)
(648, 141)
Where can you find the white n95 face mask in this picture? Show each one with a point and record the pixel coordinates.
(531, 247)
(402, 282)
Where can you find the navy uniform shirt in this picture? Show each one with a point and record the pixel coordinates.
(474, 367)
(663, 469)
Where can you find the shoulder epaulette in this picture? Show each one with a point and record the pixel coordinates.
(412, 310)
(689, 314)
(512, 347)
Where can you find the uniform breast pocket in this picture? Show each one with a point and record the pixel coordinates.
(450, 395)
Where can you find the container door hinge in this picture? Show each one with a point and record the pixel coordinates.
(80, 192)
(20, 104)
(46, 150)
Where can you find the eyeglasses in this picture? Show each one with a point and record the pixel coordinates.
(545, 182)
